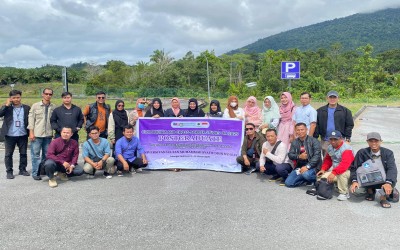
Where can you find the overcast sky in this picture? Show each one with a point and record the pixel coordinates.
(62, 32)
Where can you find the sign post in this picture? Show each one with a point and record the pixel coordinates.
(290, 70)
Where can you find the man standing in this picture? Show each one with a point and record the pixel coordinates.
(273, 159)
(96, 114)
(127, 151)
(15, 132)
(96, 153)
(40, 131)
(306, 113)
(251, 149)
(333, 117)
(339, 157)
(67, 115)
(379, 156)
(62, 157)
(305, 152)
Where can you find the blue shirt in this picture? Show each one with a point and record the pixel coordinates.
(330, 125)
(127, 148)
(100, 149)
(17, 127)
(305, 114)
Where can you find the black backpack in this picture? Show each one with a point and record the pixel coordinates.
(324, 189)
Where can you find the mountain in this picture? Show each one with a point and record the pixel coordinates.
(381, 29)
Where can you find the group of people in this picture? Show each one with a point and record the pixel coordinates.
(296, 145)
(303, 146)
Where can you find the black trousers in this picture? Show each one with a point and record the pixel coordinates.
(51, 167)
(136, 163)
(10, 142)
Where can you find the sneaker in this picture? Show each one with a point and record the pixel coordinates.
(310, 184)
(24, 173)
(312, 192)
(53, 182)
(10, 175)
(343, 197)
(63, 176)
(138, 170)
(119, 173)
(36, 178)
(108, 176)
(248, 172)
(282, 182)
(275, 178)
(90, 176)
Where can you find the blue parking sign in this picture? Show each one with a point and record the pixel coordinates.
(290, 70)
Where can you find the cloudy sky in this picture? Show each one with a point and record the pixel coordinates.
(62, 32)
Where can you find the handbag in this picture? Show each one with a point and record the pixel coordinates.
(267, 160)
(324, 189)
(371, 173)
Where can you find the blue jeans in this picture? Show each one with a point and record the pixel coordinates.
(39, 144)
(295, 180)
(282, 170)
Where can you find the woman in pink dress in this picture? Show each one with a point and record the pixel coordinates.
(286, 110)
(252, 111)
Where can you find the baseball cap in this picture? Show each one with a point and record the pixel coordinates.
(333, 93)
(374, 135)
(335, 134)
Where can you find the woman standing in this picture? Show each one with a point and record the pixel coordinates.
(233, 110)
(215, 109)
(286, 111)
(156, 109)
(270, 114)
(175, 110)
(193, 109)
(117, 120)
(138, 111)
(252, 111)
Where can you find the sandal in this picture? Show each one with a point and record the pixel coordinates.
(370, 196)
(385, 204)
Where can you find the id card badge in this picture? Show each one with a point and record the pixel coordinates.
(17, 124)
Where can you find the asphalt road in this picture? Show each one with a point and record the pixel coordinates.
(196, 209)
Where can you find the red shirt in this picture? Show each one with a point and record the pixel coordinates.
(62, 151)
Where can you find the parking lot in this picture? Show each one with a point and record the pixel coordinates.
(196, 209)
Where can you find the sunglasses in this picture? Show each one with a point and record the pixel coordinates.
(249, 129)
(49, 94)
(121, 105)
(101, 97)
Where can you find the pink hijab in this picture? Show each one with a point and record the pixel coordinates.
(253, 114)
(176, 110)
(286, 111)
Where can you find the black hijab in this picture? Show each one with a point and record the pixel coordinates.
(215, 113)
(120, 119)
(194, 112)
(153, 111)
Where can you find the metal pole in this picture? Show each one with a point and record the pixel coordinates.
(208, 80)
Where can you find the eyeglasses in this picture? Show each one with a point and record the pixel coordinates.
(121, 105)
(94, 133)
(49, 94)
(101, 97)
(249, 129)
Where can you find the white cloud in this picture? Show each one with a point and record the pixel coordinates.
(68, 31)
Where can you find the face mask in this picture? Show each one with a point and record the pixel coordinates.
(141, 105)
(233, 104)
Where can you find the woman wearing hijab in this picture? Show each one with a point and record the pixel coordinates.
(175, 110)
(156, 109)
(193, 109)
(286, 110)
(138, 111)
(233, 110)
(270, 114)
(252, 111)
(215, 109)
(117, 120)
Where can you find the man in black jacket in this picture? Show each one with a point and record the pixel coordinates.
(382, 156)
(333, 117)
(67, 115)
(305, 152)
(15, 132)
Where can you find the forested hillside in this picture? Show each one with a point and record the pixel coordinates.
(381, 29)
